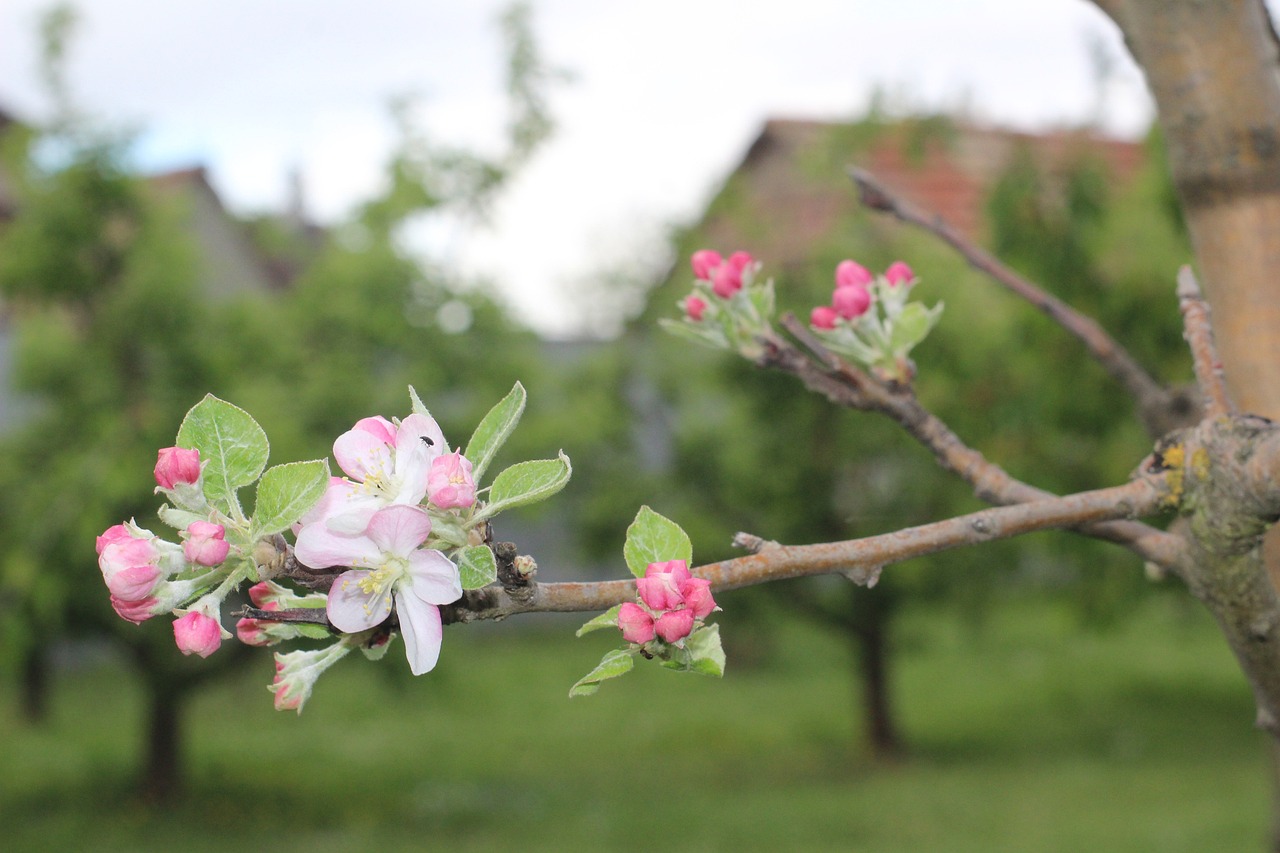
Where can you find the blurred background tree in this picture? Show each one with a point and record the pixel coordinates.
(114, 338)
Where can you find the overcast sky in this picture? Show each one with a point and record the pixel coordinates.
(665, 96)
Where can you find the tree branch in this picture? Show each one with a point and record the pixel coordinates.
(1198, 333)
(847, 386)
(1157, 406)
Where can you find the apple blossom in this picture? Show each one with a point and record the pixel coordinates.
(899, 273)
(176, 465)
(197, 633)
(694, 306)
(296, 674)
(823, 317)
(852, 274)
(388, 464)
(449, 482)
(851, 302)
(136, 612)
(387, 564)
(636, 623)
(205, 544)
(704, 263)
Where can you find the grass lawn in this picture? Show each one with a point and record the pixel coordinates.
(1028, 734)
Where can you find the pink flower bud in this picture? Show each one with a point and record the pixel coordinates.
(823, 317)
(674, 625)
(136, 612)
(122, 554)
(740, 261)
(135, 583)
(205, 544)
(899, 273)
(694, 306)
(636, 624)
(449, 482)
(262, 594)
(704, 262)
(252, 632)
(114, 533)
(176, 465)
(660, 586)
(696, 593)
(851, 302)
(850, 274)
(197, 633)
(727, 281)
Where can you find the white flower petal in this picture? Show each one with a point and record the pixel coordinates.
(398, 529)
(319, 547)
(362, 455)
(434, 577)
(351, 609)
(423, 632)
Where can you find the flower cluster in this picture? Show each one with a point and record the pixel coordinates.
(872, 320)
(147, 575)
(728, 307)
(402, 533)
(672, 602)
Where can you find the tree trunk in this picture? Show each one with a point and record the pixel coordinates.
(162, 768)
(35, 686)
(869, 629)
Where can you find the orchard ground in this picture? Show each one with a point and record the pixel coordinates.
(1026, 733)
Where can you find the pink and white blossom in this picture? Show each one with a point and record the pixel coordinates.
(387, 464)
(206, 543)
(175, 465)
(387, 565)
(449, 483)
(197, 633)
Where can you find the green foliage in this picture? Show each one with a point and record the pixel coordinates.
(652, 538)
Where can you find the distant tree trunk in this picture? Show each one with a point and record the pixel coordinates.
(869, 620)
(34, 700)
(162, 773)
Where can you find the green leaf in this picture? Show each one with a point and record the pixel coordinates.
(613, 664)
(493, 430)
(285, 493)
(477, 566)
(526, 483)
(912, 326)
(706, 334)
(652, 538)
(705, 652)
(232, 447)
(607, 619)
(415, 403)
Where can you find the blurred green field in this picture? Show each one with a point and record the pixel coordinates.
(1027, 734)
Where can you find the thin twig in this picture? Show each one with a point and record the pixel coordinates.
(1153, 400)
(1198, 333)
(848, 387)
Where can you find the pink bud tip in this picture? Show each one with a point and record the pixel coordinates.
(899, 273)
(851, 274)
(740, 261)
(727, 281)
(177, 465)
(851, 302)
(674, 625)
(694, 306)
(704, 262)
(205, 544)
(823, 317)
(636, 624)
(197, 634)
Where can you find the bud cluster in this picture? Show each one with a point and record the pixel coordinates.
(728, 308)
(872, 319)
